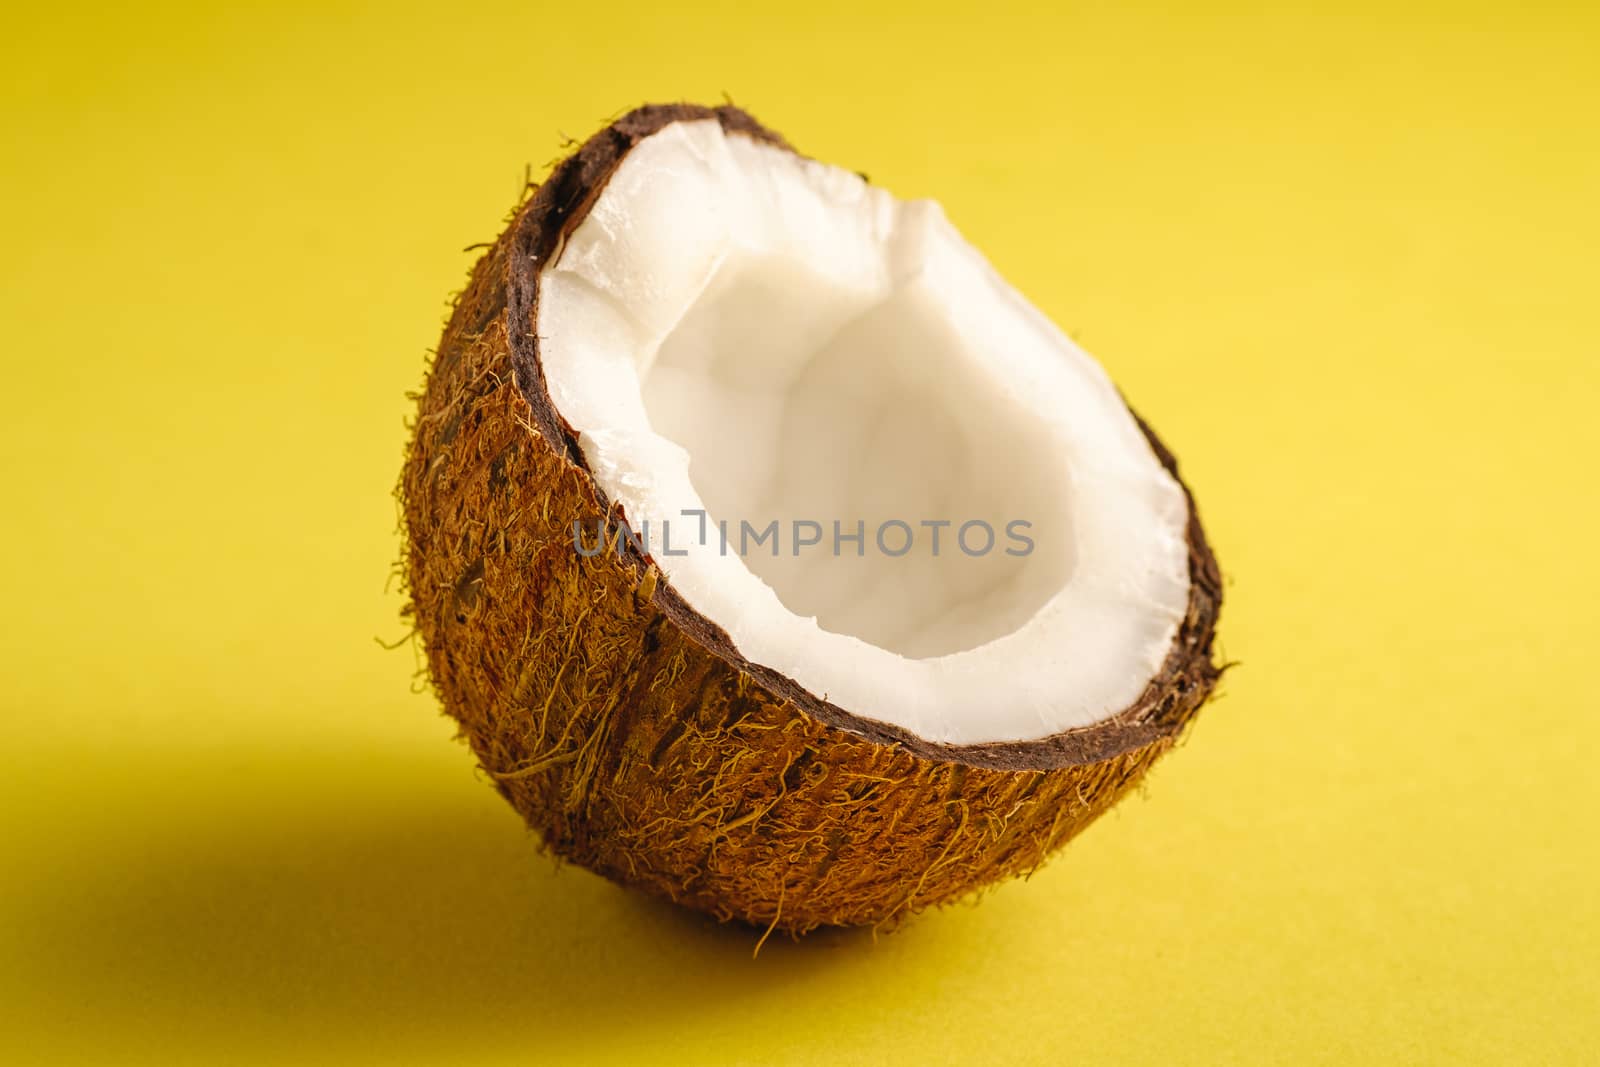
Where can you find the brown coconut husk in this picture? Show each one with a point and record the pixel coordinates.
(626, 727)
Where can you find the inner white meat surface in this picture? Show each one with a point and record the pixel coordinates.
(738, 332)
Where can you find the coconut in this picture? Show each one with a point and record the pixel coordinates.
(691, 337)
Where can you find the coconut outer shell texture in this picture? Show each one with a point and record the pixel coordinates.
(627, 729)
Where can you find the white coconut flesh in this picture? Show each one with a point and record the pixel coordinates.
(735, 330)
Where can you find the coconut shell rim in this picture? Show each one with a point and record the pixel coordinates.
(540, 227)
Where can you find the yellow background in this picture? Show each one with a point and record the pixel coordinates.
(1346, 263)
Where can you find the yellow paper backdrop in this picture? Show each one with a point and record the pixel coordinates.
(1345, 262)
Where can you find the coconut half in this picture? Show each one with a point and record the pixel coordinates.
(774, 553)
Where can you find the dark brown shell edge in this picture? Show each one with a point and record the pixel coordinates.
(625, 726)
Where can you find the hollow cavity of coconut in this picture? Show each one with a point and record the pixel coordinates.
(774, 555)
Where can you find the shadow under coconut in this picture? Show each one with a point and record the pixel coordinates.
(410, 930)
